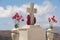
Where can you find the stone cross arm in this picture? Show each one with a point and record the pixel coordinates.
(29, 10)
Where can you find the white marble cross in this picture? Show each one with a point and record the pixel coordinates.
(31, 11)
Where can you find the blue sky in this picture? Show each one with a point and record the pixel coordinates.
(9, 7)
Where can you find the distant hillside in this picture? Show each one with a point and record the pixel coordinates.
(57, 29)
(5, 35)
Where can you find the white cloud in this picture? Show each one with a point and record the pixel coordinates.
(5, 12)
(47, 7)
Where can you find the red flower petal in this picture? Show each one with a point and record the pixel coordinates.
(22, 19)
(54, 20)
(49, 19)
(17, 19)
(28, 20)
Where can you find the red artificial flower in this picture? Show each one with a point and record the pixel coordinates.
(17, 17)
(22, 19)
(14, 17)
(53, 19)
(49, 19)
(28, 20)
